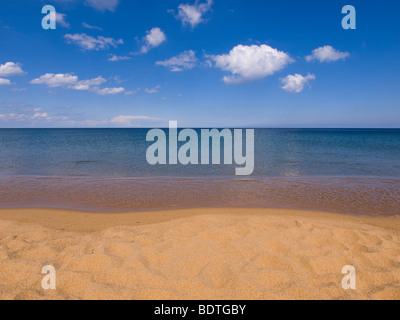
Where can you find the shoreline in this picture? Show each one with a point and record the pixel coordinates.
(206, 253)
(92, 221)
(356, 196)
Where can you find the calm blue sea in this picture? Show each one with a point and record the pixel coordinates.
(347, 171)
(122, 153)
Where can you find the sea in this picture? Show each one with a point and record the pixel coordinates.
(354, 171)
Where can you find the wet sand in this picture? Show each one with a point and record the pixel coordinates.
(353, 195)
(203, 253)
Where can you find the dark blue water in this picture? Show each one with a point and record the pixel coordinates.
(122, 153)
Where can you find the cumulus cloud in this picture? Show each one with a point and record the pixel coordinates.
(115, 58)
(108, 91)
(327, 54)
(248, 63)
(88, 26)
(192, 14)
(184, 61)
(10, 69)
(152, 90)
(295, 83)
(87, 84)
(70, 81)
(56, 80)
(153, 39)
(87, 42)
(4, 82)
(103, 5)
(61, 20)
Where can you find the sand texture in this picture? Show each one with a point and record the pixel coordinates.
(198, 254)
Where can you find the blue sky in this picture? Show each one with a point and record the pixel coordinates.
(123, 63)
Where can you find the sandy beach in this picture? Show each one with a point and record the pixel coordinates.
(198, 254)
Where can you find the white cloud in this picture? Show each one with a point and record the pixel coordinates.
(13, 117)
(295, 83)
(152, 90)
(4, 82)
(193, 14)
(61, 20)
(184, 61)
(115, 58)
(86, 84)
(129, 93)
(327, 54)
(88, 26)
(10, 69)
(39, 115)
(56, 80)
(103, 5)
(26, 116)
(90, 43)
(153, 39)
(248, 63)
(71, 81)
(108, 91)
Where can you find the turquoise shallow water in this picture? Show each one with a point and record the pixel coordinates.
(347, 171)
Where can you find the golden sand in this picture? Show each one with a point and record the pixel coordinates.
(198, 254)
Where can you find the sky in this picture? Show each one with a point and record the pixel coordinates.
(205, 63)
